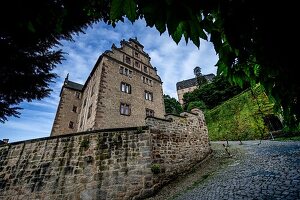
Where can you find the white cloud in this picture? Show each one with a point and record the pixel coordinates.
(174, 63)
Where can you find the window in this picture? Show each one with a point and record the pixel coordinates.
(147, 80)
(125, 109)
(74, 109)
(90, 111)
(93, 90)
(127, 60)
(137, 64)
(125, 87)
(84, 103)
(148, 95)
(125, 71)
(145, 69)
(77, 94)
(121, 70)
(149, 112)
(136, 54)
(71, 124)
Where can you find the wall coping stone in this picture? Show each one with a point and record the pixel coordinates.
(78, 134)
(176, 115)
(161, 119)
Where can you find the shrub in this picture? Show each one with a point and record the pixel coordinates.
(155, 168)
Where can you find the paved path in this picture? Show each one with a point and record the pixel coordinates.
(270, 170)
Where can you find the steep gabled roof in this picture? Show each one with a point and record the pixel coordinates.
(73, 85)
(192, 82)
(186, 83)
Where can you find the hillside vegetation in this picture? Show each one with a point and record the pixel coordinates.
(241, 117)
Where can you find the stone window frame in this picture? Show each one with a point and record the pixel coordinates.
(148, 95)
(125, 71)
(74, 109)
(125, 109)
(149, 112)
(128, 60)
(77, 95)
(84, 102)
(71, 125)
(136, 64)
(136, 54)
(81, 123)
(145, 69)
(90, 111)
(147, 81)
(93, 89)
(125, 87)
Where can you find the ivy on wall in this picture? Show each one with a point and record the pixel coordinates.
(241, 117)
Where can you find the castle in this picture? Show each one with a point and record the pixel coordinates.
(110, 139)
(190, 84)
(122, 89)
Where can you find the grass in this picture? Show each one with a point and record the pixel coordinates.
(294, 138)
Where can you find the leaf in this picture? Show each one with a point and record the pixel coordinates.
(130, 9)
(30, 27)
(256, 69)
(160, 26)
(186, 36)
(178, 33)
(116, 10)
(216, 39)
(172, 25)
(194, 34)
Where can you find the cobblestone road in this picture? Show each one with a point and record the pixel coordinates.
(270, 170)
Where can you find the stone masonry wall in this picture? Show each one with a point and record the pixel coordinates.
(103, 164)
(65, 113)
(178, 143)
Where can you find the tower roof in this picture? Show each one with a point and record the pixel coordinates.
(192, 82)
(73, 85)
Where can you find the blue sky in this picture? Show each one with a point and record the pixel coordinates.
(174, 63)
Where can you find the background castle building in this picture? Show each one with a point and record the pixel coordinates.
(121, 90)
(189, 85)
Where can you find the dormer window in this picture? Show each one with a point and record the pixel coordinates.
(136, 64)
(145, 69)
(127, 60)
(136, 54)
(125, 71)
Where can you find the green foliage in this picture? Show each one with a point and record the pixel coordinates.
(172, 106)
(212, 94)
(85, 144)
(139, 129)
(29, 41)
(196, 104)
(295, 138)
(247, 36)
(201, 80)
(240, 118)
(155, 168)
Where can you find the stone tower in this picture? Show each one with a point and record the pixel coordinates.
(121, 90)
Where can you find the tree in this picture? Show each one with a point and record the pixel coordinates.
(248, 36)
(30, 31)
(201, 80)
(214, 93)
(172, 106)
(196, 104)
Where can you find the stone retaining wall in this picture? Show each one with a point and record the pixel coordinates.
(103, 164)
